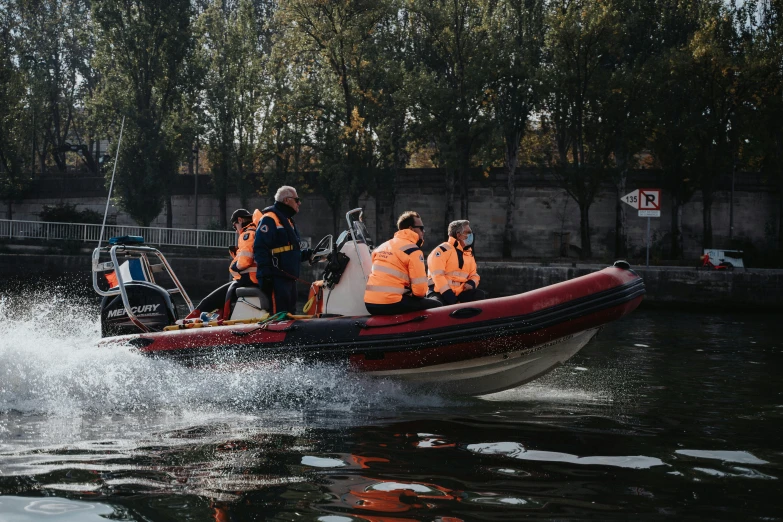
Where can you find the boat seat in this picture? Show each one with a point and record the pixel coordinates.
(250, 302)
(250, 291)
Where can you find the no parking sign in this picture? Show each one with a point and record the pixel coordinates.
(648, 203)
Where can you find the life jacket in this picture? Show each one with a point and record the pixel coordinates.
(243, 263)
(451, 267)
(397, 269)
(277, 251)
(111, 278)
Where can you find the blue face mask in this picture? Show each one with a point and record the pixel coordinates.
(469, 239)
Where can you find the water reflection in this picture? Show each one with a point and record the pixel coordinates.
(21, 509)
(517, 451)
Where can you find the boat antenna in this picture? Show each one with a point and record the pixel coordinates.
(111, 184)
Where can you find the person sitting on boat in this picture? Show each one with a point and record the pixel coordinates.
(398, 281)
(277, 251)
(242, 268)
(452, 267)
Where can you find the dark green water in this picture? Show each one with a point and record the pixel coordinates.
(666, 415)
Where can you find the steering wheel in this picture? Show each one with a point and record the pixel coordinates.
(321, 250)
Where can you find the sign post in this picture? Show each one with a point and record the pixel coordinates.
(648, 203)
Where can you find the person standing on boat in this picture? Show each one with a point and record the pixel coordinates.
(277, 251)
(452, 267)
(398, 281)
(242, 268)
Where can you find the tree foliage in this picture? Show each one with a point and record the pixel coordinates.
(142, 46)
(13, 115)
(228, 54)
(357, 89)
(450, 63)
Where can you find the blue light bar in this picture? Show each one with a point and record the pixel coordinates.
(126, 240)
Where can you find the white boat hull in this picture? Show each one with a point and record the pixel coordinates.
(495, 373)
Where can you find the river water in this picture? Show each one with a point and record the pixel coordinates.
(665, 415)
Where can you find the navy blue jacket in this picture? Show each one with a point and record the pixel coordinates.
(278, 230)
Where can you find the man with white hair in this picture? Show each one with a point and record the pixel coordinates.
(276, 250)
(452, 267)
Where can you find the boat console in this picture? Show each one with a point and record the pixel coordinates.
(347, 268)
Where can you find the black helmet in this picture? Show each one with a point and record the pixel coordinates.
(240, 213)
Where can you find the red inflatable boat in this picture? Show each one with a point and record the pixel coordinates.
(471, 349)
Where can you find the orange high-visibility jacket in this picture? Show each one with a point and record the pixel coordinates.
(243, 262)
(397, 268)
(450, 267)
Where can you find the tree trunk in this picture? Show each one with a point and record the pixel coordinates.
(620, 221)
(584, 230)
(676, 229)
(512, 157)
(384, 216)
(169, 212)
(10, 211)
(706, 212)
(620, 217)
(222, 209)
(780, 211)
(449, 216)
(222, 203)
(353, 200)
(464, 200)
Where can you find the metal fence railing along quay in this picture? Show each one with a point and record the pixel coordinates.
(14, 229)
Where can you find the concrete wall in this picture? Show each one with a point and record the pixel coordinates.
(734, 290)
(544, 213)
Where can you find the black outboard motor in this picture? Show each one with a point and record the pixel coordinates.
(150, 304)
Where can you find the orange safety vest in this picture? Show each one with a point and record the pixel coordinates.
(397, 268)
(111, 278)
(243, 262)
(450, 267)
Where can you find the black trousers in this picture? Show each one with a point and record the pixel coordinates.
(284, 295)
(408, 303)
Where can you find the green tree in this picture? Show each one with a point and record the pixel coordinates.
(285, 142)
(56, 51)
(142, 46)
(338, 39)
(722, 84)
(13, 114)
(673, 110)
(389, 119)
(579, 43)
(629, 90)
(516, 32)
(766, 114)
(450, 61)
(231, 59)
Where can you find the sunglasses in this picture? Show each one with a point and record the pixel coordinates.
(419, 227)
(295, 199)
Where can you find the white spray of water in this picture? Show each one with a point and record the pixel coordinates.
(51, 364)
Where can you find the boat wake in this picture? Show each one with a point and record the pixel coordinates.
(51, 364)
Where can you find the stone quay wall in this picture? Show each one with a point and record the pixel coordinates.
(738, 289)
(545, 217)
